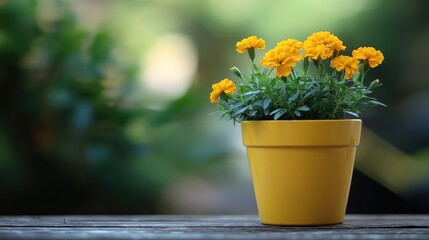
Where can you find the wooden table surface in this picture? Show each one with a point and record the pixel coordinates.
(207, 227)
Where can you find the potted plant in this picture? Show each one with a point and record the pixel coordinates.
(296, 125)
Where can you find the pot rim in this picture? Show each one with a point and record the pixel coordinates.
(306, 120)
(298, 133)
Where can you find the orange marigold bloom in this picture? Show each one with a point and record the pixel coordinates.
(283, 57)
(322, 44)
(370, 54)
(250, 42)
(291, 43)
(226, 85)
(349, 64)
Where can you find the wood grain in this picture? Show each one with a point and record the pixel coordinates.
(207, 227)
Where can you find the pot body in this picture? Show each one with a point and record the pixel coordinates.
(301, 170)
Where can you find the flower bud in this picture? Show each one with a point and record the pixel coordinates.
(236, 72)
(374, 84)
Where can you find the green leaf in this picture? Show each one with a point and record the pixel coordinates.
(259, 103)
(280, 113)
(266, 103)
(297, 113)
(265, 71)
(351, 113)
(293, 97)
(256, 67)
(311, 92)
(275, 111)
(303, 108)
(251, 92)
(377, 103)
(237, 104)
(238, 112)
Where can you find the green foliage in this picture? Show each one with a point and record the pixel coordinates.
(312, 91)
(71, 137)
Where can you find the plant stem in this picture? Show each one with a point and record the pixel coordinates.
(306, 65)
(365, 69)
(253, 68)
(293, 73)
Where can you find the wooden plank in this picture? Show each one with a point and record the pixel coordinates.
(207, 227)
(174, 233)
(351, 221)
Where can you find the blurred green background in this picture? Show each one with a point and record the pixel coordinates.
(104, 104)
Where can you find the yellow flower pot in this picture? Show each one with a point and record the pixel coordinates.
(302, 169)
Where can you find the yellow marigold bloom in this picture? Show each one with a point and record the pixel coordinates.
(250, 42)
(322, 44)
(283, 57)
(226, 85)
(370, 54)
(349, 64)
(290, 42)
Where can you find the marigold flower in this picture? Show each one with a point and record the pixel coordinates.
(349, 64)
(370, 54)
(226, 85)
(283, 57)
(322, 44)
(250, 42)
(291, 43)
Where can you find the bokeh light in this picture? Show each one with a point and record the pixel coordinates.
(169, 66)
